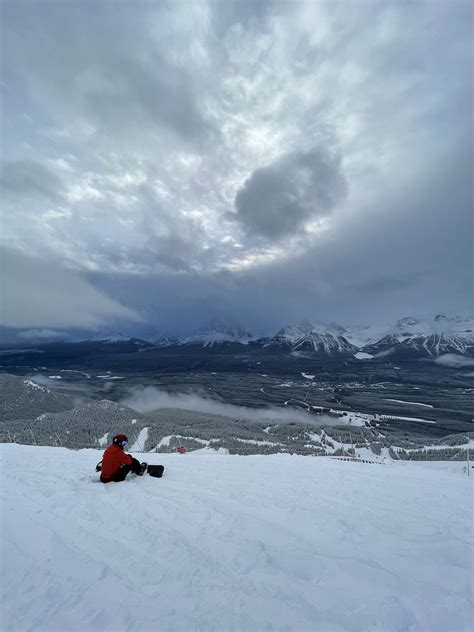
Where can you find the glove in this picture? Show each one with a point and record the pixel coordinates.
(98, 467)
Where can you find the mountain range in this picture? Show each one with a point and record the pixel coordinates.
(408, 337)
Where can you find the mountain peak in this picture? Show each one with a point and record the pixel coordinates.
(427, 337)
(316, 337)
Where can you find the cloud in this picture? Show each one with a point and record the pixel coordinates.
(149, 398)
(35, 293)
(278, 200)
(413, 255)
(29, 179)
(454, 360)
(255, 163)
(122, 78)
(41, 334)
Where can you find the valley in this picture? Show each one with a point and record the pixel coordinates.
(314, 389)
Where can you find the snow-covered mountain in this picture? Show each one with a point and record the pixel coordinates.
(165, 341)
(312, 337)
(426, 337)
(218, 334)
(410, 337)
(114, 337)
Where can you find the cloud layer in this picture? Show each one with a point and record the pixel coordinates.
(251, 161)
(38, 293)
(150, 398)
(278, 200)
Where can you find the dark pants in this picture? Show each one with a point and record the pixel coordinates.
(122, 472)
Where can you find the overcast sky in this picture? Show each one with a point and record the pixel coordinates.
(168, 163)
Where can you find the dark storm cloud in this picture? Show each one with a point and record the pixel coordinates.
(278, 200)
(37, 293)
(368, 272)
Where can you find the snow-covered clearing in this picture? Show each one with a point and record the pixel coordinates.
(104, 440)
(234, 543)
(268, 428)
(36, 386)
(354, 419)
(401, 401)
(140, 441)
(165, 441)
(395, 417)
(257, 442)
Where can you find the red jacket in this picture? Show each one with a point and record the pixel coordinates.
(113, 458)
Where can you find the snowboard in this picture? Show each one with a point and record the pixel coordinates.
(155, 470)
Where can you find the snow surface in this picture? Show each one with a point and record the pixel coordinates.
(354, 419)
(234, 543)
(103, 441)
(402, 401)
(139, 444)
(421, 421)
(315, 336)
(165, 441)
(36, 387)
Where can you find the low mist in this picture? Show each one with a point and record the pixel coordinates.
(454, 360)
(149, 398)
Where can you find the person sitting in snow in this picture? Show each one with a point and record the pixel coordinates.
(116, 464)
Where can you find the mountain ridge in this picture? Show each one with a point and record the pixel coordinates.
(409, 336)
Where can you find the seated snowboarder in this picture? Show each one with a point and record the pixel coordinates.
(116, 464)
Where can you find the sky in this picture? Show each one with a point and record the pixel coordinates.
(167, 164)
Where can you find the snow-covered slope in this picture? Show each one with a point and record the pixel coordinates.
(312, 337)
(233, 543)
(165, 341)
(427, 337)
(22, 398)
